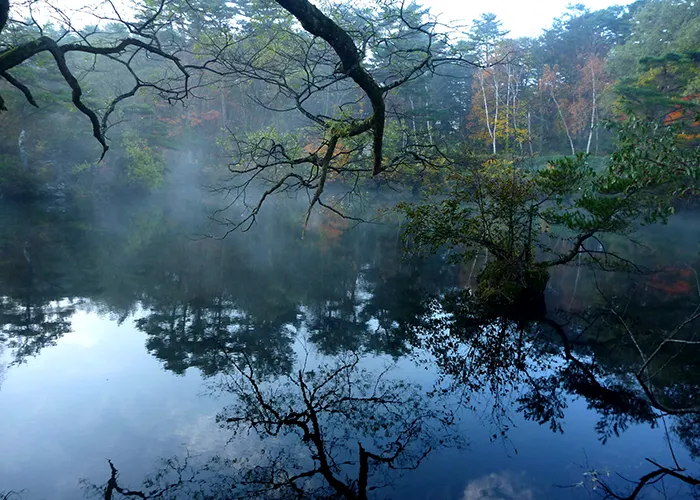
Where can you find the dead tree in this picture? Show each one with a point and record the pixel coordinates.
(355, 426)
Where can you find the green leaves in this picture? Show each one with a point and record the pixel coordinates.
(560, 175)
(506, 210)
(145, 165)
(654, 165)
(492, 206)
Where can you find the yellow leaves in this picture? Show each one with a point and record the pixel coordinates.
(498, 163)
(649, 77)
(504, 182)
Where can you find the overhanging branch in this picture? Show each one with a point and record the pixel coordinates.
(318, 24)
(148, 44)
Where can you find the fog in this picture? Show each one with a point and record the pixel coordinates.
(285, 249)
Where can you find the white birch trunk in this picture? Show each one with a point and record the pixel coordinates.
(594, 111)
(486, 107)
(495, 114)
(563, 121)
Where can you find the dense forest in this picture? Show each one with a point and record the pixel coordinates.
(211, 89)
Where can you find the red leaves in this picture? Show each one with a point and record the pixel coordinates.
(673, 281)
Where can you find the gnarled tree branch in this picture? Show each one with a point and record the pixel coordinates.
(318, 24)
(141, 38)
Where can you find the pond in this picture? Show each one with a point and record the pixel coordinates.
(142, 360)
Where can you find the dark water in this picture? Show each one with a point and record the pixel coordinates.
(203, 368)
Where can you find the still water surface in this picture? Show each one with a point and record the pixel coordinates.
(123, 336)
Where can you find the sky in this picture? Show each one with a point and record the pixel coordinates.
(521, 18)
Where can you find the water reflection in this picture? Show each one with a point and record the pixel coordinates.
(249, 290)
(336, 430)
(503, 485)
(628, 374)
(528, 366)
(28, 326)
(245, 313)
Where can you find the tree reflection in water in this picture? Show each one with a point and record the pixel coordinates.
(235, 310)
(534, 366)
(335, 430)
(339, 431)
(10, 495)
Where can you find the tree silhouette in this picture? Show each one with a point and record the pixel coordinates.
(329, 431)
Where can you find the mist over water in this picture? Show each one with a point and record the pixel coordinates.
(348, 250)
(120, 324)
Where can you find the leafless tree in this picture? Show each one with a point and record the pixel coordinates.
(651, 479)
(683, 335)
(656, 351)
(10, 495)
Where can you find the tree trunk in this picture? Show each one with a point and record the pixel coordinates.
(23, 149)
(516, 109)
(597, 141)
(4, 13)
(594, 112)
(495, 114)
(318, 24)
(224, 118)
(529, 132)
(486, 108)
(21, 139)
(413, 120)
(509, 105)
(427, 121)
(404, 133)
(563, 121)
(540, 139)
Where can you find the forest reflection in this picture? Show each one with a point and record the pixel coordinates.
(249, 292)
(238, 309)
(331, 429)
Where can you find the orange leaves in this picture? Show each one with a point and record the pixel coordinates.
(549, 76)
(341, 154)
(206, 116)
(332, 227)
(191, 119)
(688, 117)
(682, 113)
